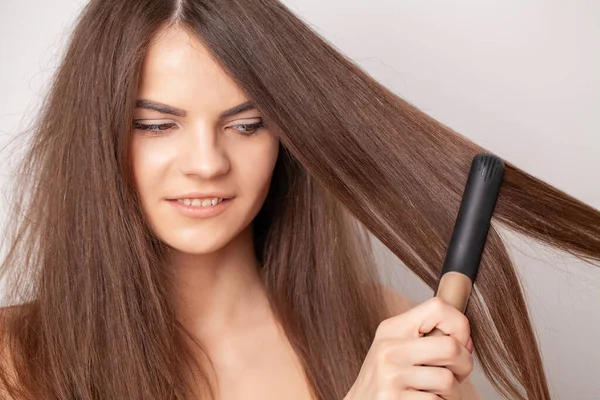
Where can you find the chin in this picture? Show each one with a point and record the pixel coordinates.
(198, 245)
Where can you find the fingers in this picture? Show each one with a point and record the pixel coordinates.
(411, 394)
(435, 351)
(438, 314)
(456, 326)
(448, 353)
(432, 366)
(436, 381)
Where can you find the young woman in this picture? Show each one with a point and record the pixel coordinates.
(202, 183)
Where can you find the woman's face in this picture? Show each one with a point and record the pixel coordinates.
(198, 149)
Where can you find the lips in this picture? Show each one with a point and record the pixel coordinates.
(201, 196)
(200, 212)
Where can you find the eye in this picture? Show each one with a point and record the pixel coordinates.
(254, 127)
(245, 129)
(154, 128)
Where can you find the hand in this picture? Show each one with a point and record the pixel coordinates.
(403, 364)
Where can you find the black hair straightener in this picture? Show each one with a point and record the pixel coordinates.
(470, 232)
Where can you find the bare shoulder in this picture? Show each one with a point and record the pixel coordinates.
(398, 304)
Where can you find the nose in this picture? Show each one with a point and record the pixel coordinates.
(202, 154)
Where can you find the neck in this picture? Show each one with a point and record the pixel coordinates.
(219, 292)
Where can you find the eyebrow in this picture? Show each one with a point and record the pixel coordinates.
(167, 109)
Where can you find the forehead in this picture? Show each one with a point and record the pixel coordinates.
(178, 69)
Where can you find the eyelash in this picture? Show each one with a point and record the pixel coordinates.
(148, 127)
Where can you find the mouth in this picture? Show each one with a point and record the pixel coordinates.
(205, 202)
(199, 211)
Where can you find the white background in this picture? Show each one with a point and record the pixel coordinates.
(518, 77)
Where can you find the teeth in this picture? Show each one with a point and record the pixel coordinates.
(200, 203)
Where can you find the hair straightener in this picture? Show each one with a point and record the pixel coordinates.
(470, 232)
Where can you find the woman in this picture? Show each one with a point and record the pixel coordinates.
(133, 292)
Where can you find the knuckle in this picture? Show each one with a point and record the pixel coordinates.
(446, 380)
(464, 323)
(387, 378)
(438, 304)
(389, 383)
(451, 347)
(382, 328)
(384, 351)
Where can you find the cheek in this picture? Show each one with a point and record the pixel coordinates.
(148, 161)
(136, 164)
(141, 172)
(148, 164)
(256, 166)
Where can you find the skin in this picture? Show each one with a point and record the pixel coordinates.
(219, 296)
(212, 260)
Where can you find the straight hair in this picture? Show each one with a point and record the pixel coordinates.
(95, 320)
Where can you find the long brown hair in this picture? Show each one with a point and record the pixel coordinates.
(355, 159)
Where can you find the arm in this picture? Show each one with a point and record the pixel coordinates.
(397, 304)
